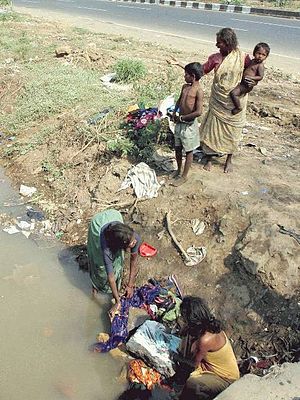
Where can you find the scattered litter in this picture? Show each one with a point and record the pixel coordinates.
(263, 151)
(143, 180)
(26, 234)
(289, 232)
(245, 193)
(133, 107)
(198, 155)
(165, 161)
(97, 117)
(11, 230)
(146, 250)
(33, 214)
(24, 225)
(165, 104)
(27, 191)
(198, 226)
(196, 255)
(108, 77)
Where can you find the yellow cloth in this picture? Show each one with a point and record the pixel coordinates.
(221, 362)
(220, 131)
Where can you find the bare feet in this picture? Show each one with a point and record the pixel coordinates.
(228, 165)
(236, 111)
(180, 181)
(207, 166)
(175, 175)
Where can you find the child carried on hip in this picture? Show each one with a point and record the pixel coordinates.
(253, 73)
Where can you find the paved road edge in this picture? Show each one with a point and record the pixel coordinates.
(231, 8)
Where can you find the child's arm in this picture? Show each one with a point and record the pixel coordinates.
(259, 74)
(198, 108)
(177, 106)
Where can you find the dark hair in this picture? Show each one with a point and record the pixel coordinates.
(118, 236)
(228, 36)
(195, 69)
(262, 45)
(198, 317)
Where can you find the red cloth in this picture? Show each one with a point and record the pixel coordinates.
(215, 60)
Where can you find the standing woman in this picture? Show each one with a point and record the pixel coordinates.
(220, 131)
(207, 346)
(108, 238)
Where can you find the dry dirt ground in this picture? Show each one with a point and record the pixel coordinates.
(250, 276)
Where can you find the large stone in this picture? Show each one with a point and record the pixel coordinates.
(275, 257)
(282, 383)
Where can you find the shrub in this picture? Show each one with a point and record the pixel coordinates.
(129, 70)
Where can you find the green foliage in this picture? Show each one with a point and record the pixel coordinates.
(120, 146)
(50, 90)
(144, 141)
(129, 70)
(51, 169)
(4, 3)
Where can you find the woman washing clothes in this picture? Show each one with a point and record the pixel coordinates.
(206, 345)
(108, 239)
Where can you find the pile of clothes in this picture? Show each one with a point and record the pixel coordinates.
(140, 118)
(161, 302)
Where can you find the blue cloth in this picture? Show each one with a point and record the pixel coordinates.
(142, 296)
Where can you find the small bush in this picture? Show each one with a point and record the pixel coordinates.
(129, 70)
(120, 146)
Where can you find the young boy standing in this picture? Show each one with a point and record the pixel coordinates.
(189, 107)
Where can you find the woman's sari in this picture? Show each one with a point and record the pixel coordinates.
(97, 267)
(220, 130)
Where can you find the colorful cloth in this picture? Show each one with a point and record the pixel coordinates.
(140, 118)
(97, 266)
(119, 332)
(220, 131)
(139, 372)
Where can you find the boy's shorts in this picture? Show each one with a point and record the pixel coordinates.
(187, 135)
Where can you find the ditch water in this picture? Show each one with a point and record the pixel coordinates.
(48, 321)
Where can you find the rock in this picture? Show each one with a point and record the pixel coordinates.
(27, 191)
(137, 317)
(281, 383)
(275, 257)
(63, 51)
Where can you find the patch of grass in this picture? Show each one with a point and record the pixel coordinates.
(10, 16)
(5, 3)
(50, 90)
(49, 168)
(129, 70)
(81, 31)
(19, 46)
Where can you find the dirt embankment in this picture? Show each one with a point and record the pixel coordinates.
(251, 273)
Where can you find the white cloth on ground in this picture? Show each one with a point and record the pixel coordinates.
(143, 180)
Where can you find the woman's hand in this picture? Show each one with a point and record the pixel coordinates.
(172, 61)
(115, 310)
(129, 291)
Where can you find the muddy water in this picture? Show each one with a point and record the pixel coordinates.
(48, 320)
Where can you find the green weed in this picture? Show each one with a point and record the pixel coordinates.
(50, 90)
(120, 146)
(129, 70)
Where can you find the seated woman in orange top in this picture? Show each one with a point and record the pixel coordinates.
(206, 344)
